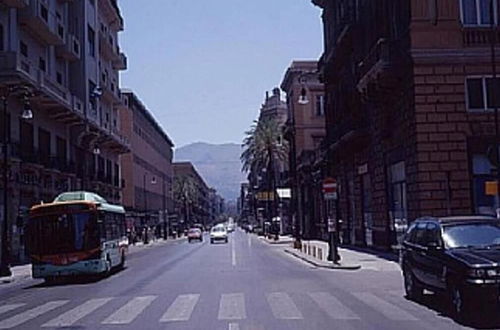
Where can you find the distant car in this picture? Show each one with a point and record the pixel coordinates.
(458, 256)
(195, 234)
(230, 227)
(218, 233)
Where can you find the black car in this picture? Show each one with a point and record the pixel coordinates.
(459, 256)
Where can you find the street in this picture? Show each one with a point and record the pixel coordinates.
(246, 284)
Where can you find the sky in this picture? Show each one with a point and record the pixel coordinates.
(202, 67)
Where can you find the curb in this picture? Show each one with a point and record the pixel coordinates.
(329, 266)
(273, 242)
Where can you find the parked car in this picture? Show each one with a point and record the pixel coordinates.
(195, 234)
(458, 256)
(218, 233)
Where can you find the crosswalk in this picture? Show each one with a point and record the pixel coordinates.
(232, 308)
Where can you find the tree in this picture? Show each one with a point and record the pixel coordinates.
(264, 150)
(185, 195)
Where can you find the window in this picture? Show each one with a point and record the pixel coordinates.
(92, 98)
(477, 12)
(320, 105)
(59, 78)
(483, 172)
(42, 65)
(23, 49)
(397, 191)
(44, 13)
(2, 48)
(480, 93)
(91, 41)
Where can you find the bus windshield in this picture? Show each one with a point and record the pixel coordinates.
(63, 233)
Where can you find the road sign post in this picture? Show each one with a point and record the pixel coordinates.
(330, 193)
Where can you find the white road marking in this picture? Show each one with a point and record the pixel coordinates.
(8, 308)
(129, 311)
(72, 316)
(181, 309)
(389, 310)
(232, 307)
(283, 306)
(233, 253)
(31, 314)
(332, 306)
(234, 326)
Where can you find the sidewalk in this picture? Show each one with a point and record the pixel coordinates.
(345, 264)
(23, 272)
(316, 253)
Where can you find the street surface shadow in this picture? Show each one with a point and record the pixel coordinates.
(484, 317)
(75, 280)
(390, 256)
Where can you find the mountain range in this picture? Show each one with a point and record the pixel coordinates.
(218, 164)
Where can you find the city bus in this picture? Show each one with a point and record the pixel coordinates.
(77, 234)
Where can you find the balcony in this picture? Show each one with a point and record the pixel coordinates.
(110, 92)
(347, 131)
(479, 36)
(379, 66)
(56, 94)
(70, 50)
(110, 10)
(42, 23)
(107, 46)
(15, 3)
(120, 63)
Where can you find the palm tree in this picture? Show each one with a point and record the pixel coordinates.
(185, 194)
(264, 150)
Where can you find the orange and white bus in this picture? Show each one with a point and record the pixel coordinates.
(78, 234)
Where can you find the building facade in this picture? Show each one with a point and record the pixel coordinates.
(305, 131)
(147, 169)
(198, 210)
(409, 110)
(54, 56)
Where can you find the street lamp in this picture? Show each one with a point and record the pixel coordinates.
(26, 114)
(146, 214)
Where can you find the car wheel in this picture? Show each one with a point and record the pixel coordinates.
(413, 289)
(227, 240)
(211, 241)
(458, 303)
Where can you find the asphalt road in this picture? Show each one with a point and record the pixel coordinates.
(246, 284)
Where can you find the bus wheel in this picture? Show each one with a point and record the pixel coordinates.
(122, 261)
(107, 271)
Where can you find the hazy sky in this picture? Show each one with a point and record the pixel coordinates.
(203, 66)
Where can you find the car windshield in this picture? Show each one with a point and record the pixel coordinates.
(194, 231)
(472, 235)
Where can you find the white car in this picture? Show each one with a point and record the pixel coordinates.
(218, 233)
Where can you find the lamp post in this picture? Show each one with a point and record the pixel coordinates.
(27, 114)
(164, 213)
(303, 101)
(146, 214)
(493, 36)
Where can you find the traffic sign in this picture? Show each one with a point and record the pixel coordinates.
(330, 188)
